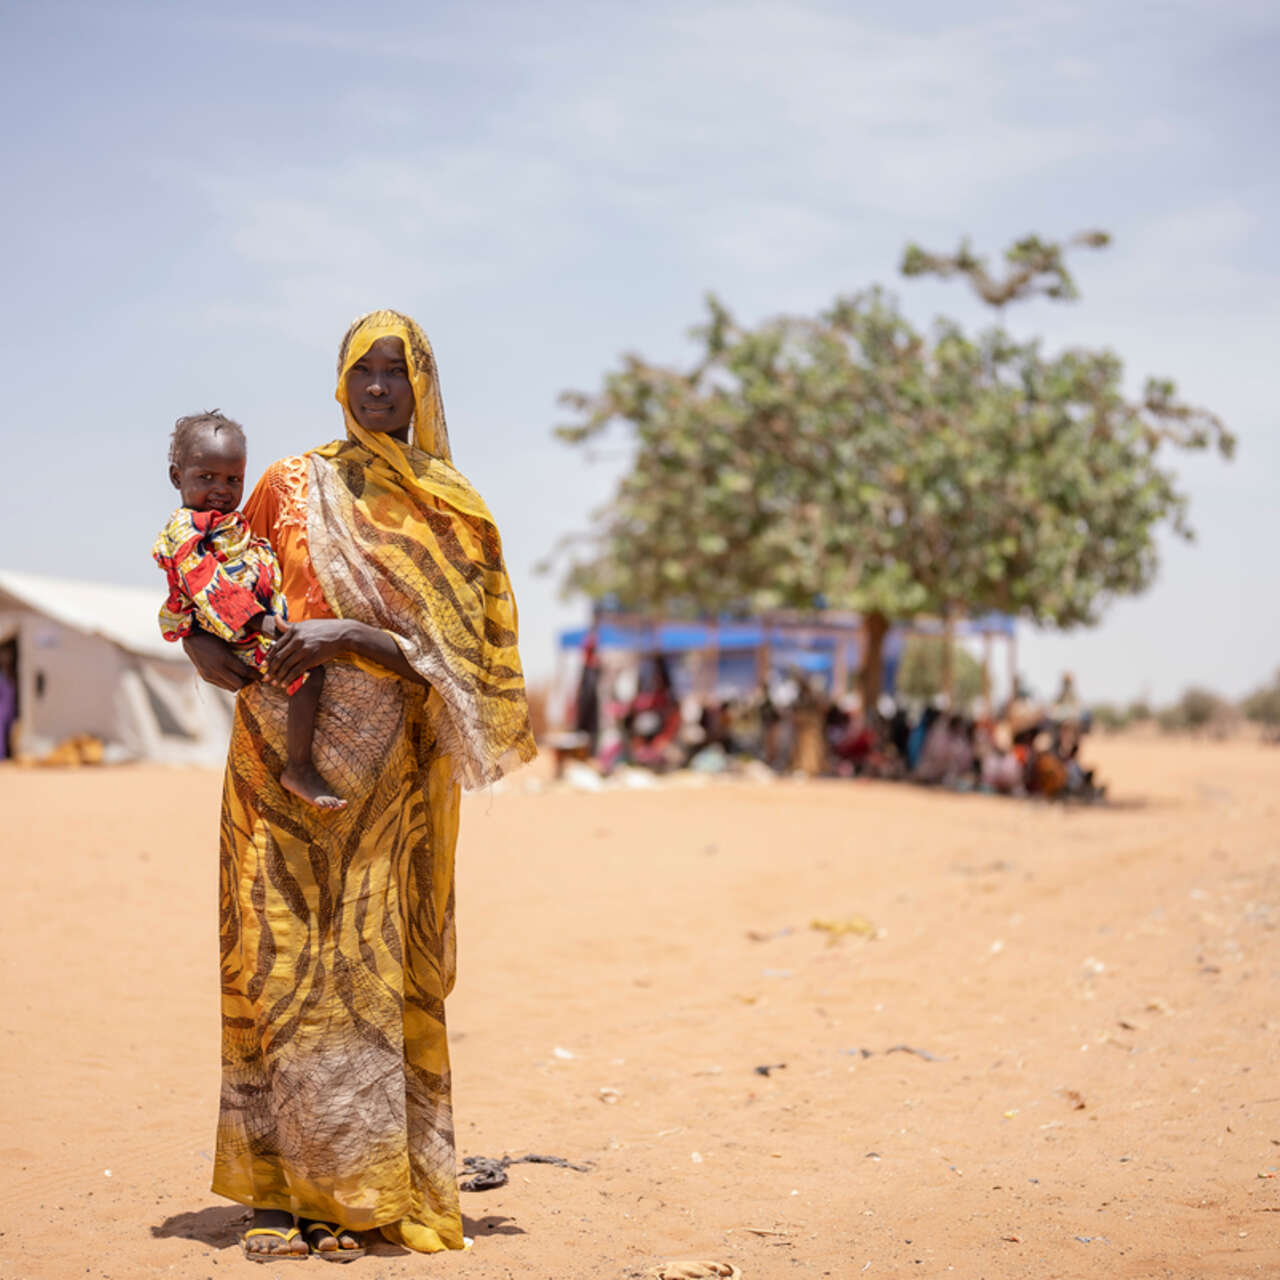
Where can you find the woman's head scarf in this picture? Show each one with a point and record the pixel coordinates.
(429, 431)
(400, 540)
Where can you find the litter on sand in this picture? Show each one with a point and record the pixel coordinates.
(920, 1053)
(488, 1174)
(696, 1271)
(764, 1069)
(858, 926)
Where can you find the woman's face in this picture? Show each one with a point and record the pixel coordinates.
(379, 392)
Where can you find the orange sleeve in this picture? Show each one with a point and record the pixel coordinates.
(263, 508)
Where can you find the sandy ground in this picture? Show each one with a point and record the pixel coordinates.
(1096, 991)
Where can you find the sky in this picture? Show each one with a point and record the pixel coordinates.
(203, 197)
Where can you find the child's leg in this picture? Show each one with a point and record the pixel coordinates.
(300, 775)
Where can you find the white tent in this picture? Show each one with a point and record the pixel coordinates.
(91, 660)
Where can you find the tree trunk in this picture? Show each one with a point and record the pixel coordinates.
(948, 655)
(764, 655)
(875, 626)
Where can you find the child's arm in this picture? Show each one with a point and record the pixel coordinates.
(177, 612)
(216, 663)
(265, 624)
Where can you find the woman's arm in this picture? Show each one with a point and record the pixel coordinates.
(216, 662)
(313, 641)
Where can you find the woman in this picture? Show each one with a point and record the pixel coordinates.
(337, 927)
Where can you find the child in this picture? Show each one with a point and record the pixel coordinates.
(225, 581)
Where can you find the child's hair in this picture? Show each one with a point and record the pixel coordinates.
(185, 430)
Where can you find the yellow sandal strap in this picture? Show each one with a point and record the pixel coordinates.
(286, 1236)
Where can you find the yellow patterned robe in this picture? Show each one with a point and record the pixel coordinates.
(337, 927)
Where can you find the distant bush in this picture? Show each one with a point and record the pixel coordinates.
(1197, 709)
(1106, 715)
(1263, 705)
(1139, 710)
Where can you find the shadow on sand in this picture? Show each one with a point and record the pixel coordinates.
(220, 1227)
(494, 1224)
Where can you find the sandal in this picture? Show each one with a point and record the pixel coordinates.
(273, 1255)
(332, 1255)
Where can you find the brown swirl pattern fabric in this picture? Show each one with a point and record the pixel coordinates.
(338, 945)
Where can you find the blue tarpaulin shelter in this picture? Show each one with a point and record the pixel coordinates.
(828, 645)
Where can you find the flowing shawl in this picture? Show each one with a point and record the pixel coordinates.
(400, 539)
(337, 927)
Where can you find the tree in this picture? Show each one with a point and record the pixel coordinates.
(921, 671)
(849, 459)
(1035, 267)
(1263, 705)
(1107, 715)
(1197, 709)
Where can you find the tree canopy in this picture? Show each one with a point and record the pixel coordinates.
(851, 460)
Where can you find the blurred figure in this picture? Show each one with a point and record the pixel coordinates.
(897, 728)
(852, 738)
(947, 754)
(8, 697)
(586, 709)
(1001, 768)
(651, 725)
(1046, 772)
(1067, 707)
(1024, 714)
(716, 723)
(808, 750)
(770, 729)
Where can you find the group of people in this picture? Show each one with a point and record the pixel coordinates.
(1024, 748)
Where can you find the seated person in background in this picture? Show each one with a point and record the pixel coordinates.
(1001, 768)
(1046, 772)
(937, 754)
(652, 722)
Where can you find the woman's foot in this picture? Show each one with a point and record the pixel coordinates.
(323, 1240)
(279, 1224)
(305, 780)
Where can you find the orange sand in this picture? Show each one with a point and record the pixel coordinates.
(1100, 987)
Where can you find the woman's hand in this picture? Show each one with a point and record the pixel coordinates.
(215, 661)
(306, 644)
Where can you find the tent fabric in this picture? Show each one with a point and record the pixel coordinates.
(91, 661)
(124, 615)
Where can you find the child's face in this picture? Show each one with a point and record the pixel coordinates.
(210, 474)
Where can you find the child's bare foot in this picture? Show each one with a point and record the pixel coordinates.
(304, 780)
